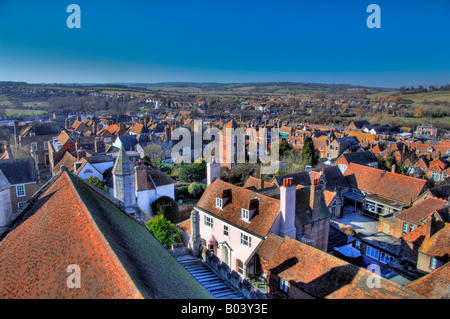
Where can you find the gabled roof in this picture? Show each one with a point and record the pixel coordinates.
(42, 129)
(390, 185)
(333, 175)
(68, 160)
(438, 244)
(321, 275)
(260, 223)
(71, 222)
(361, 158)
(256, 183)
(418, 212)
(155, 178)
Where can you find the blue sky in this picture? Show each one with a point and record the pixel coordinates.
(323, 41)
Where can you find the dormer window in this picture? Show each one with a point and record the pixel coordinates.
(219, 203)
(245, 214)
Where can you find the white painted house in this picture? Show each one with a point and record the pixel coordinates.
(93, 166)
(150, 185)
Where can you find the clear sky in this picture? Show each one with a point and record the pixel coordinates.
(323, 41)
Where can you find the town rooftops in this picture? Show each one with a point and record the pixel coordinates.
(41, 129)
(399, 187)
(321, 275)
(70, 222)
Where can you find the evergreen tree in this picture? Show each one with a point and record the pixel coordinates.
(309, 156)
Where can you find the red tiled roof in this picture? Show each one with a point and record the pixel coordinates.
(72, 222)
(322, 275)
(256, 182)
(391, 185)
(418, 212)
(416, 236)
(68, 160)
(435, 285)
(261, 222)
(136, 128)
(438, 244)
(51, 240)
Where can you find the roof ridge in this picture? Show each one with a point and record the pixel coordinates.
(245, 189)
(396, 174)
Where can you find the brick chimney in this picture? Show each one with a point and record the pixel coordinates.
(99, 146)
(81, 153)
(431, 223)
(141, 176)
(287, 207)
(261, 181)
(167, 134)
(16, 132)
(315, 198)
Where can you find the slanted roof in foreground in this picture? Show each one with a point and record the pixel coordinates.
(70, 222)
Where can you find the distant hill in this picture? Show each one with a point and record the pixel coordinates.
(212, 88)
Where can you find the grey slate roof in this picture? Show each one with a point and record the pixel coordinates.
(3, 181)
(123, 165)
(361, 158)
(19, 171)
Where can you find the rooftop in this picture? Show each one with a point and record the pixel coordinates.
(71, 222)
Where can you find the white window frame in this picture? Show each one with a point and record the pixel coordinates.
(246, 240)
(219, 202)
(34, 147)
(18, 192)
(240, 270)
(435, 263)
(405, 228)
(21, 204)
(245, 214)
(372, 252)
(208, 222)
(226, 231)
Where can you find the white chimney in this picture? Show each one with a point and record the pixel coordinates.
(287, 206)
(212, 171)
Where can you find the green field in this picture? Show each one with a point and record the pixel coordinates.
(418, 97)
(418, 120)
(21, 112)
